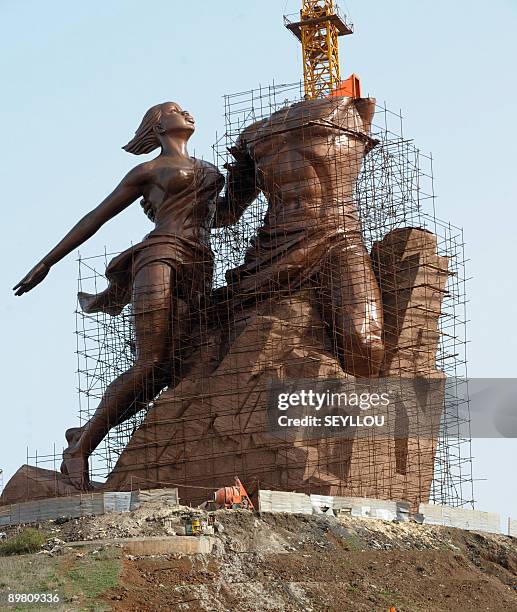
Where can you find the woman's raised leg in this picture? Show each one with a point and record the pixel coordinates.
(159, 321)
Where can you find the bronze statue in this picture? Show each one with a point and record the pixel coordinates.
(306, 160)
(164, 276)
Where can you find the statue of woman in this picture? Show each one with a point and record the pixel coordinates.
(164, 277)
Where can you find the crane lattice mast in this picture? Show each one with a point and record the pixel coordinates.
(318, 29)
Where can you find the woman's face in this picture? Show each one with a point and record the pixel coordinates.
(174, 119)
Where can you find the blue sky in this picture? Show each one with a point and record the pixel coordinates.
(77, 78)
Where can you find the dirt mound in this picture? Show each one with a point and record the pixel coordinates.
(296, 562)
(287, 562)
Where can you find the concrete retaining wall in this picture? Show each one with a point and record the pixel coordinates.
(512, 528)
(283, 501)
(299, 503)
(373, 508)
(157, 545)
(470, 520)
(75, 506)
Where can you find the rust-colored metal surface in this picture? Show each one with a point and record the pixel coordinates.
(306, 160)
(215, 424)
(162, 277)
(308, 300)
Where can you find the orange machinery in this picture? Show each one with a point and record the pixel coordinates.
(233, 497)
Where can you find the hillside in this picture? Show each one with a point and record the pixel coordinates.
(269, 562)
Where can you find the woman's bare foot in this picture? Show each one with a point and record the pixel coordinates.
(75, 463)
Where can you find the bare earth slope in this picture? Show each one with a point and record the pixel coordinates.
(285, 562)
(282, 562)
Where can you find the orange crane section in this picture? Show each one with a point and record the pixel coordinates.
(318, 29)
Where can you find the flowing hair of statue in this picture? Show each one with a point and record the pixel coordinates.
(145, 139)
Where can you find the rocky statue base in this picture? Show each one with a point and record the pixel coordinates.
(212, 425)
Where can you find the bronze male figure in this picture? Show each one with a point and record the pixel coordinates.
(306, 159)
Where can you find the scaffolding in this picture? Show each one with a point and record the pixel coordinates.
(394, 191)
(105, 349)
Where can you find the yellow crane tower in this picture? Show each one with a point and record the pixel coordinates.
(318, 29)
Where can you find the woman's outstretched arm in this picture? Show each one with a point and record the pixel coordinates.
(129, 189)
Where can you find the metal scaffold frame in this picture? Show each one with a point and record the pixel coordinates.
(395, 190)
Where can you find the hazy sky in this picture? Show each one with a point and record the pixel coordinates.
(76, 78)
